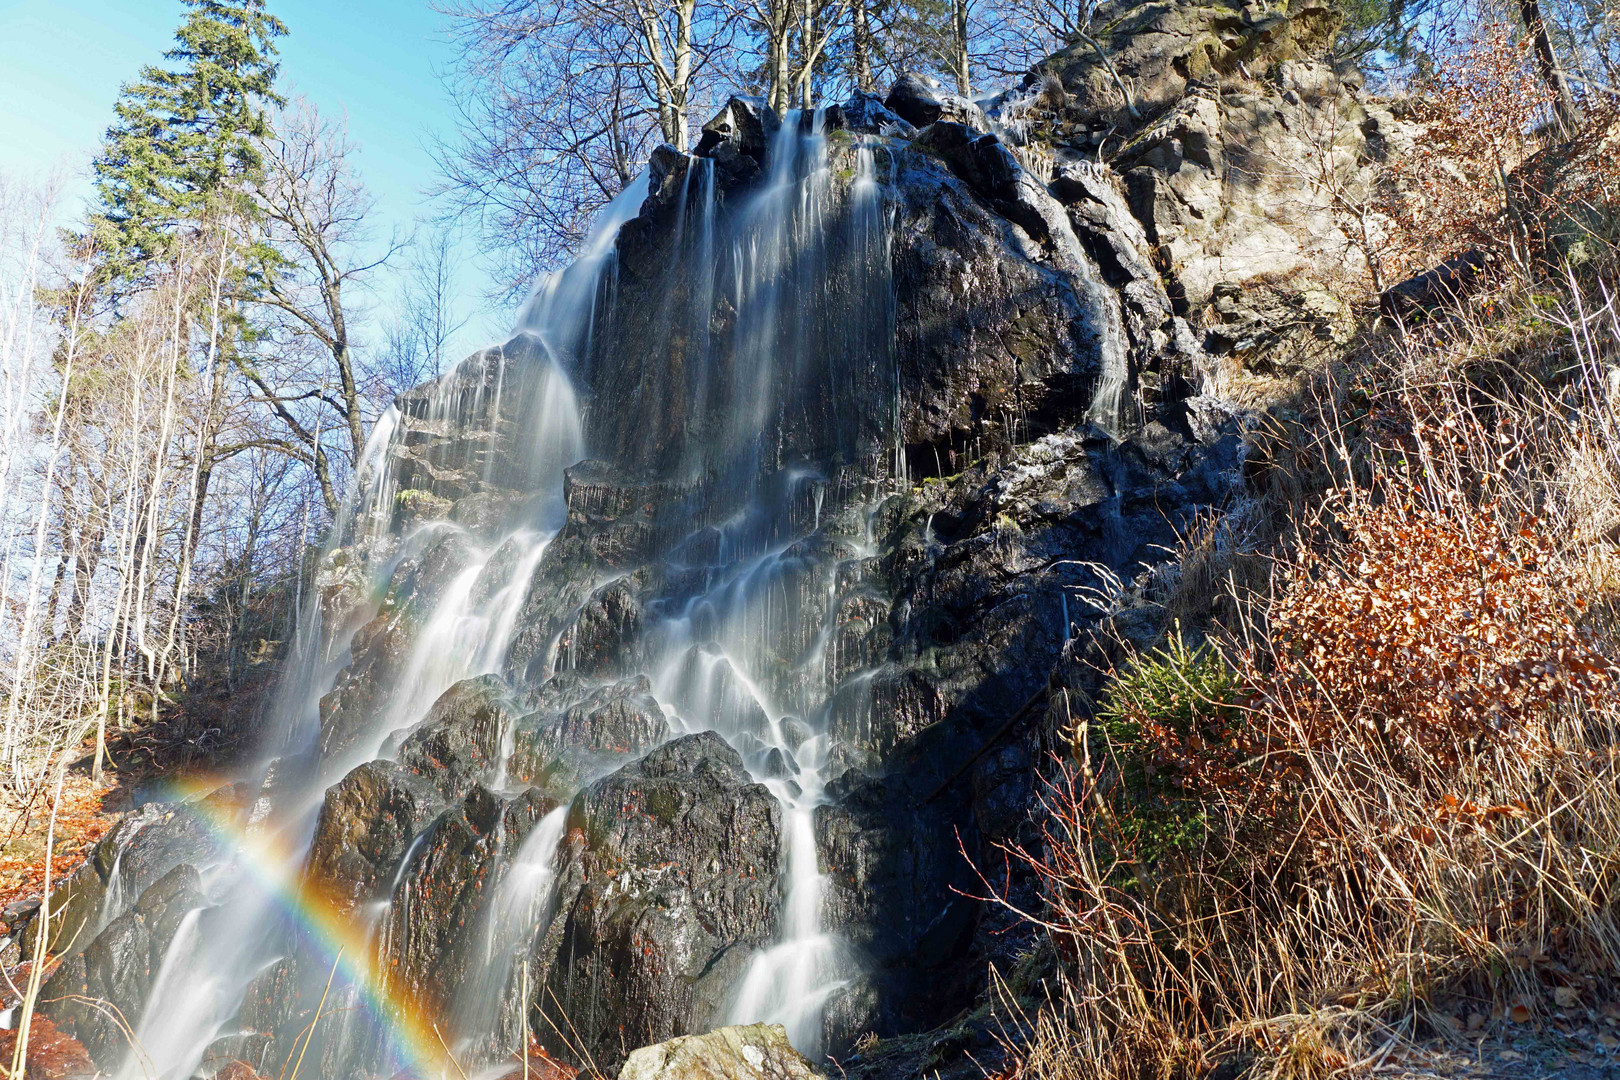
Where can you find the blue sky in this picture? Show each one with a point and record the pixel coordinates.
(374, 61)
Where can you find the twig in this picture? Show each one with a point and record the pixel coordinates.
(310, 1037)
(450, 1057)
(19, 1055)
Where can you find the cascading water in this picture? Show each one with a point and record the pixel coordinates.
(516, 913)
(765, 406)
(252, 912)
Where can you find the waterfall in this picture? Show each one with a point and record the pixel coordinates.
(760, 395)
(517, 912)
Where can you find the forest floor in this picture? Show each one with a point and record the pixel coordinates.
(86, 812)
(1586, 1052)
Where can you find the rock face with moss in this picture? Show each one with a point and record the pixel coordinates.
(668, 883)
(1247, 159)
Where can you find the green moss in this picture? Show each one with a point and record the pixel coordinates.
(664, 804)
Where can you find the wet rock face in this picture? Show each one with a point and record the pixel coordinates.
(557, 749)
(382, 649)
(669, 884)
(465, 433)
(365, 827)
(80, 905)
(432, 927)
(459, 741)
(119, 967)
(987, 329)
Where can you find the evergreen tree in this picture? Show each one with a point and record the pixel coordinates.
(184, 142)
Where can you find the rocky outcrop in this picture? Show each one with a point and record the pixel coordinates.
(121, 965)
(1246, 159)
(461, 739)
(434, 943)
(876, 406)
(1141, 57)
(367, 823)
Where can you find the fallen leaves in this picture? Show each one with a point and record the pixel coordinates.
(52, 1054)
(81, 822)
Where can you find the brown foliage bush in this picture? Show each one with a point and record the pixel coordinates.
(1490, 172)
(1428, 628)
(52, 1054)
(1478, 116)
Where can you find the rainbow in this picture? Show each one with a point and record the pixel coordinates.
(346, 946)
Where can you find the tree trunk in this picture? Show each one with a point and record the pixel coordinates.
(681, 90)
(861, 41)
(959, 35)
(203, 465)
(1552, 72)
(807, 61)
(779, 75)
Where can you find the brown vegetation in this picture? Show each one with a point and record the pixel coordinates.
(81, 821)
(1383, 800)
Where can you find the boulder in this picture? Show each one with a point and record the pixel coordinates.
(52, 1054)
(921, 100)
(460, 740)
(120, 966)
(558, 751)
(432, 940)
(1447, 283)
(867, 114)
(751, 1052)
(366, 825)
(668, 885)
(746, 124)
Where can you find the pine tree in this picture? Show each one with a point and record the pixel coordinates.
(184, 142)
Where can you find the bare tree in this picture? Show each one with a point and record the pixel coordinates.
(1008, 39)
(430, 299)
(561, 101)
(312, 257)
(1548, 63)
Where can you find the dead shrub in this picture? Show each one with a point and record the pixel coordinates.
(1490, 174)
